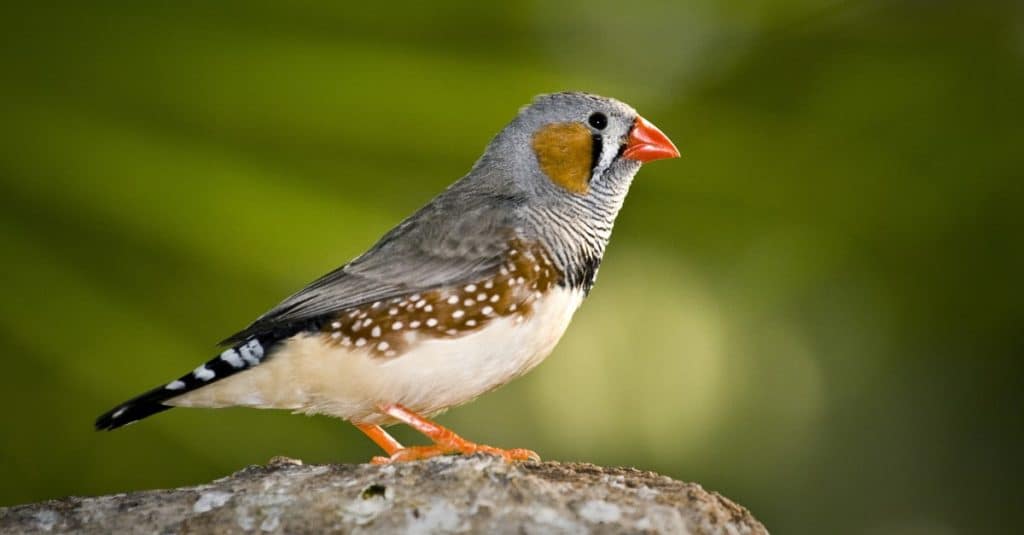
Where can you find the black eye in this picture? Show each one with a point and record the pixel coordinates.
(598, 120)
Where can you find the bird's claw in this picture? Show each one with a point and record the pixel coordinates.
(514, 454)
(416, 453)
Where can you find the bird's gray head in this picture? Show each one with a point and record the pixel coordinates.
(566, 145)
(570, 158)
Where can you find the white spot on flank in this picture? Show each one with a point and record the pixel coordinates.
(336, 325)
(481, 296)
(470, 323)
(470, 287)
(376, 331)
(520, 280)
(458, 314)
(335, 335)
(488, 285)
(393, 312)
(487, 310)
(360, 342)
(494, 298)
(383, 346)
(203, 373)
(175, 385)
(375, 304)
(451, 332)
(346, 341)
(431, 322)
(469, 302)
(367, 321)
(503, 270)
(428, 308)
(420, 303)
(512, 307)
(396, 325)
(453, 299)
(414, 324)
(231, 357)
(414, 297)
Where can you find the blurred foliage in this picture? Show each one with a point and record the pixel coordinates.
(817, 311)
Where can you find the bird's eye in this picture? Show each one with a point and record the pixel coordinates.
(598, 120)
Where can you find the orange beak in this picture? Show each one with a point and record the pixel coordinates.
(647, 143)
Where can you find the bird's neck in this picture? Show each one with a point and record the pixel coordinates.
(576, 231)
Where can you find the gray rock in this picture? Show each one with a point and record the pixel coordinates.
(476, 494)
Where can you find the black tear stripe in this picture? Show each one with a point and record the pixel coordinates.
(624, 146)
(597, 145)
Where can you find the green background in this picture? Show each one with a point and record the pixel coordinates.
(817, 311)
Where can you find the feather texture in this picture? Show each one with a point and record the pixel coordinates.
(459, 237)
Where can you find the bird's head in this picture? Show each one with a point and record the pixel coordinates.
(566, 163)
(574, 145)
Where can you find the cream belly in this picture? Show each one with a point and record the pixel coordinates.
(308, 374)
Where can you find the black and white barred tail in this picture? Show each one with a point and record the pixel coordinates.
(238, 358)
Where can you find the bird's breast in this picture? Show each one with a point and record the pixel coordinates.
(439, 373)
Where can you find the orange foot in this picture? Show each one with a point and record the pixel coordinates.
(446, 442)
(416, 453)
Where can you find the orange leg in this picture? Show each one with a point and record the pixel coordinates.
(445, 441)
(382, 439)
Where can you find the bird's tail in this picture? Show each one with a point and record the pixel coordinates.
(240, 357)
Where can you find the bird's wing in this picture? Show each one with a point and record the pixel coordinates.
(438, 246)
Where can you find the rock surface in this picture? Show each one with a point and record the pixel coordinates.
(444, 495)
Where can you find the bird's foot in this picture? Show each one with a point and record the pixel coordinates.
(459, 447)
(446, 442)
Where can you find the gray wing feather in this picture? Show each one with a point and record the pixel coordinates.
(459, 237)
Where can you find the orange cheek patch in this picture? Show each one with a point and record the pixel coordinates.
(564, 151)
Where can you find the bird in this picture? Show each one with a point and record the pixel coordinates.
(468, 293)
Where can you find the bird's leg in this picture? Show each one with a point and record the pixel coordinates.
(445, 441)
(381, 437)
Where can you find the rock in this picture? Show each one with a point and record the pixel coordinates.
(476, 494)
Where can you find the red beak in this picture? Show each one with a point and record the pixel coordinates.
(647, 143)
